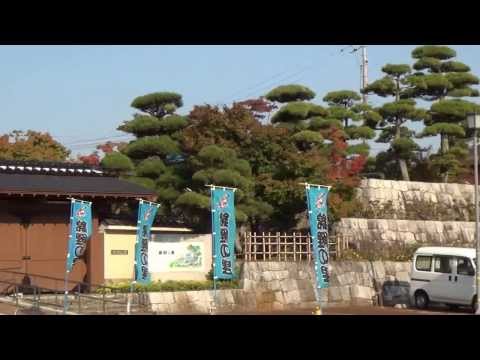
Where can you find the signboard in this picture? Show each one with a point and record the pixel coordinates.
(119, 252)
(80, 230)
(317, 214)
(223, 232)
(176, 256)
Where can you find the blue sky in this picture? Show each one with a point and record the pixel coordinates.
(80, 94)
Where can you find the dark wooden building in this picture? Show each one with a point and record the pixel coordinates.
(34, 219)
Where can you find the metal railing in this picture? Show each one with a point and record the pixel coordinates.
(85, 298)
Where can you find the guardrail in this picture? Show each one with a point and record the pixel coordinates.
(86, 298)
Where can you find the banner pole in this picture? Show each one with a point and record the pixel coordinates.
(65, 296)
(213, 308)
(65, 288)
(134, 278)
(129, 300)
(214, 290)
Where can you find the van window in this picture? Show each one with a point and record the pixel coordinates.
(423, 263)
(443, 264)
(465, 267)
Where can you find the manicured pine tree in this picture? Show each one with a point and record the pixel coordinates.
(444, 81)
(345, 106)
(394, 116)
(155, 153)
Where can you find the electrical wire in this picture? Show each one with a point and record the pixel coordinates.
(262, 85)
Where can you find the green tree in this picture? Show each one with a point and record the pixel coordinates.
(446, 119)
(438, 79)
(394, 116)
(309, 158)
(215, 165)
(216, 140)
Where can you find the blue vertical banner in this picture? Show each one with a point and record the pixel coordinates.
(224, 231)
(146, 215)
(317, 213)
(80, 230)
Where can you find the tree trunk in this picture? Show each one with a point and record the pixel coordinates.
(444, 148)
(402, 163)
(403, 168)
(397, 92)
(445, 177)
(444, 143)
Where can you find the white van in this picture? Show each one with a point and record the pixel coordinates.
(443, 275)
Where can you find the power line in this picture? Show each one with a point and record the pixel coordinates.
(292, 76)
(96, 140)
(231, 99)
(302, 69)
(258, 84)
(266, 84)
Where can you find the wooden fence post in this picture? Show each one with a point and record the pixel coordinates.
(269, 247)
(294, 247)
(263, 243)
(278, 247)
(309, 248)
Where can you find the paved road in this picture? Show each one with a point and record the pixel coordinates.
(8, 309)
(364, 310)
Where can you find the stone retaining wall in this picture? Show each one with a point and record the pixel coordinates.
(451, 202)
(268, 286)
(406, 232)
(399, 192)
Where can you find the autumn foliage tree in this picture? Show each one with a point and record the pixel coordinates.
(94, 158)
(31, 145)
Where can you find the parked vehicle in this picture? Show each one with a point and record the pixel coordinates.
(443, 275)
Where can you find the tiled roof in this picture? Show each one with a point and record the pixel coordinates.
(48, 168)
(64, 179)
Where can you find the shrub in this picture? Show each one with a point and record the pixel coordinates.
(370, 251)
(116, 163)
(293, 92)
(170, 285)
(151, 167)
(145, 182)
(417, 210)
(152, 145)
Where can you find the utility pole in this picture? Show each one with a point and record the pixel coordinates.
(364, 70)
(363, 67)
(473, 122)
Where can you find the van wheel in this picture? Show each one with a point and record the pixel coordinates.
(421, 300)
(474, 304)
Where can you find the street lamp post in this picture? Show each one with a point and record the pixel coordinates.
(473, 122)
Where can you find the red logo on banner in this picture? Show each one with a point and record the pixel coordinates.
(147, 214)
(81, 212)
(320, 201)
(223, 202)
